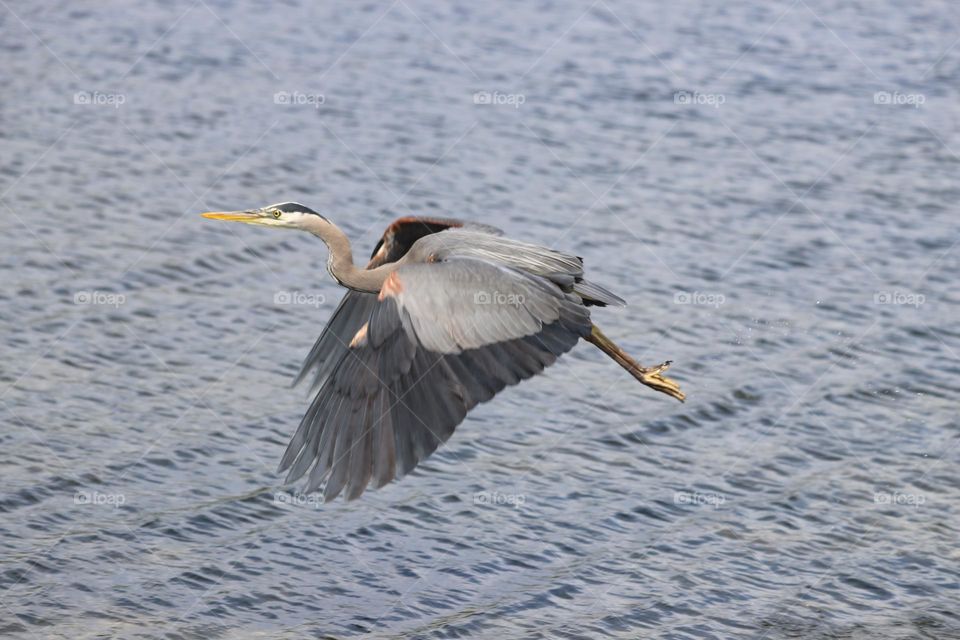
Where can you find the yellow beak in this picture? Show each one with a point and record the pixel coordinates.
(234, 216)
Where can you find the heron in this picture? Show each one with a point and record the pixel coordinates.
(445, 315)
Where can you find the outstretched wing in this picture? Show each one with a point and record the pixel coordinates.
(441, 338)
(355, 306)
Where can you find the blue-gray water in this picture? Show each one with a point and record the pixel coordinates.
(782, 231)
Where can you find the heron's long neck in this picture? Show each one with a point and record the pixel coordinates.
(341, 264)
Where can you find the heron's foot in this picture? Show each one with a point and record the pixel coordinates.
(651, 376)
(660, 368)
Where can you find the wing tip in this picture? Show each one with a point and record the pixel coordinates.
(597, 295)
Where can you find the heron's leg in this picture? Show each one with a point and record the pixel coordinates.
(650, 376)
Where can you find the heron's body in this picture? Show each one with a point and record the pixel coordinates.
(444, 316)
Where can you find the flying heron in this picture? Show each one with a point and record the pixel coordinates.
(444, 316)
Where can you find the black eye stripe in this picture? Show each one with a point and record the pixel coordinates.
(290, 207)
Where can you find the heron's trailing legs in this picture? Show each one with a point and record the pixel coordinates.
(649, 376)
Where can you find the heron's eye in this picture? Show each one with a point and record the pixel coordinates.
(276, 214)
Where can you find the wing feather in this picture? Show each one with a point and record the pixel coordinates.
(384, 456)
(360, 466)
(349, 316)
(341, 452)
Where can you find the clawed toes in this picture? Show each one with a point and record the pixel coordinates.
(660, 368)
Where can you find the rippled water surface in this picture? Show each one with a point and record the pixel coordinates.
(785, 231)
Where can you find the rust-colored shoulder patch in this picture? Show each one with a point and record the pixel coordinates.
(360, 338)
(391, 286)
(402, 233)
(443, 223)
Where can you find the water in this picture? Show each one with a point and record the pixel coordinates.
(783, 235)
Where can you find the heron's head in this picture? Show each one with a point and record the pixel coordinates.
(286, 215)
